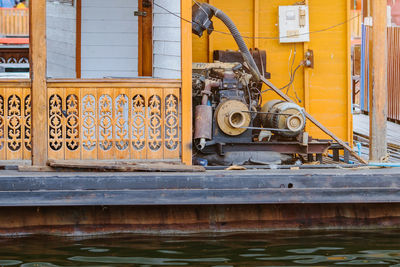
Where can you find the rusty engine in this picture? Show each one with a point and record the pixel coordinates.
(228, 111)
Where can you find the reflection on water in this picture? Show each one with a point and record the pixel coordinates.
(367, 248)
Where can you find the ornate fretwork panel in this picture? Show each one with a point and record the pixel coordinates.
(14, 120)
(27, 125)
(56, 122)
(122, 122)
(138, 122)
(88, 121)
(15, 124)
(171, 122)
(114, 123)
(2, 124)
(154, 123)
(105, 122)
(95, 123)
(72, 123)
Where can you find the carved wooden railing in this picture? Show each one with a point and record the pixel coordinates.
(95, 120)
(109, 119)
(14, 21)
(15, 120)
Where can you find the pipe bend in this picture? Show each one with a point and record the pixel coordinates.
(238, 39)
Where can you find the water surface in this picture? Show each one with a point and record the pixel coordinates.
(344, 248)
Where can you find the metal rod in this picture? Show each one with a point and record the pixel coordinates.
(266, 129)
(259, 112)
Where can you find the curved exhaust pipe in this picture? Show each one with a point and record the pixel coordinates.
(201, 17)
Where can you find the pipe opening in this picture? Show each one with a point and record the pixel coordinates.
(236, 119)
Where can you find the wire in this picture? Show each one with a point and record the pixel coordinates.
(292, 78)
(262, 38)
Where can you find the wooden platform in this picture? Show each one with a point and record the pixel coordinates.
(210, 188)
(214, 201)
(361, 125)
(361, 130)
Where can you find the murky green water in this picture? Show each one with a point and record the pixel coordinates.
(378, 248)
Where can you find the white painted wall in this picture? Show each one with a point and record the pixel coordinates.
(61, 36)
(109, 38)
(166, 40)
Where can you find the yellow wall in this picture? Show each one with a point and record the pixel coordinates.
(325, 90)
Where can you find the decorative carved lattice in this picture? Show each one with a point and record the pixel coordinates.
(72, 129)
(27, 119)
(105, 122)
(155, 123)
(15, 124)
(108, 123)
(171, 122)
(2, 124)
(14, 132)
(138, 122)
(55, 122)
(122, 122)
(89, 122)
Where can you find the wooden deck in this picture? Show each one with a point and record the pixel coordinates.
(361, 128)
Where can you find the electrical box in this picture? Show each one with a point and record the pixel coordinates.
(294, 24)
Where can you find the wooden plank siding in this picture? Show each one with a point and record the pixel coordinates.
(61, 40)
(323, 91)
(109, 41)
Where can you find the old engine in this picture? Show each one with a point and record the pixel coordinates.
(228, 110)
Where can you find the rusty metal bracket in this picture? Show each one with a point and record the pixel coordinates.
(140, 13)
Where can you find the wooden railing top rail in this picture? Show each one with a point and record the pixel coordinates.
(13, 8)
(115, 83)
(4, 83)
(96, 83)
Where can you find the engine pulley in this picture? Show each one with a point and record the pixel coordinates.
(284, 115)
(233, 117)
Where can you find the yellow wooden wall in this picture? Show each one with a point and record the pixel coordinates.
(325, 90)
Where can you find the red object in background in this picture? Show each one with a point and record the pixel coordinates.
(11, 41)
(359, 4)
(396, 13)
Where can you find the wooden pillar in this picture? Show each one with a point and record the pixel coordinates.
(37, 54)
(256, 19)
(378, 90)
(306, 81)
(78, 42)
(186, 72)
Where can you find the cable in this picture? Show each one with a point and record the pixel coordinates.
(292, 78)
(261, 38)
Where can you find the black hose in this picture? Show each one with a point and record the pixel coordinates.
(238, 38)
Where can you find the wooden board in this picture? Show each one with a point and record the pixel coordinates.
(124, 166)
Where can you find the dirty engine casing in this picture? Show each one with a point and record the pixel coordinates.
(227, 108)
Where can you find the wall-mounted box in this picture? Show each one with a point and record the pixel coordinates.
(294, 24)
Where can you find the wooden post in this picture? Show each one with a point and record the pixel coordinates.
(378, 90)
(256, 21)
(78, 42)
(37, 54)
(186, 72)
